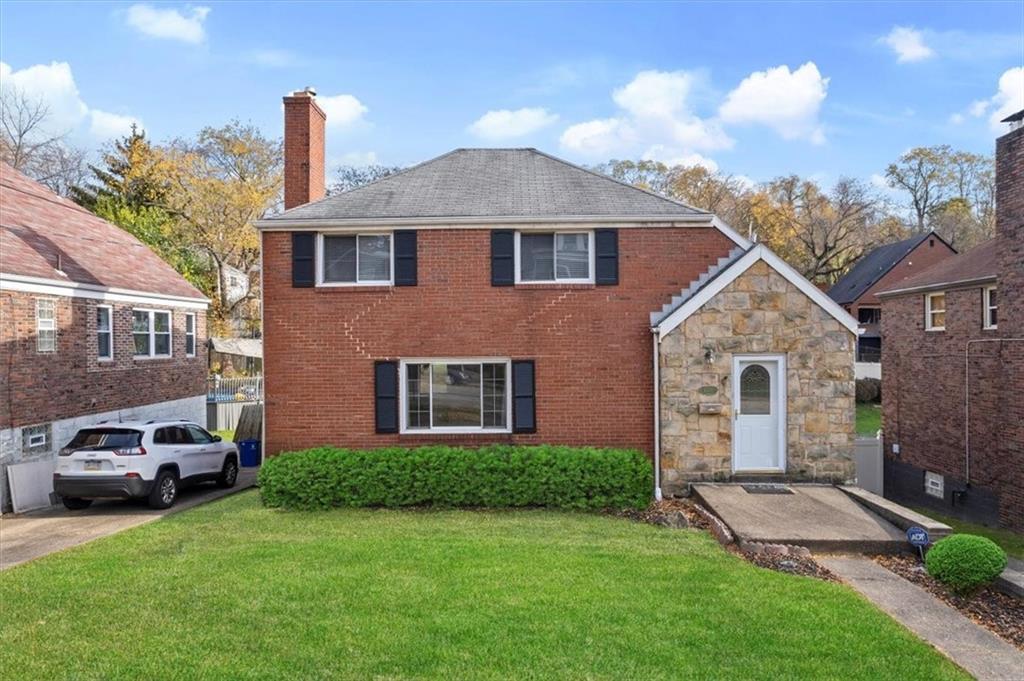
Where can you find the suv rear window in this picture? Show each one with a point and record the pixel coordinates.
(106, 438)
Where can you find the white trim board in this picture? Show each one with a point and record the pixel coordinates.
(71, 289)
(731, 273)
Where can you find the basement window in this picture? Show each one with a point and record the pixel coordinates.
(990, 307)
(934, 484)
(935, 312)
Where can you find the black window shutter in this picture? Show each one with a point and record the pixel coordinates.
(524, 397)
(607, 257)
(303, 254)
(405, 257)
(385, 385)
(503, 257)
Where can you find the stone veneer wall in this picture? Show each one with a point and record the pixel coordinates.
(759, 313)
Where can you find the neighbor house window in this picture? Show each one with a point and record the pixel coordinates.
(934, 484)
(554, 257)
(990, 306)
(455, 395)
(104, 332)
(935, 311)
(869, 315)
(355, 259)
(190, 335)
(46, 325)
(151, 330)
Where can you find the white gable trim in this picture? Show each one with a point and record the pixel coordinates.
(71, 289)
(729, 275)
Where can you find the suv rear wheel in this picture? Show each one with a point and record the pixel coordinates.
(76, 504)
(229, 473)
(165, 490)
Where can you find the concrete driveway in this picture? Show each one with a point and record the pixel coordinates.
(28, 536)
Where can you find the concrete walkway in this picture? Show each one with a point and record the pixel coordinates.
(976, 649)
(28, 536)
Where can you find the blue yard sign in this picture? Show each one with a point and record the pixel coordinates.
(918, 536)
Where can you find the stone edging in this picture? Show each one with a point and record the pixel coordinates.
(717, 527)
(725, 537)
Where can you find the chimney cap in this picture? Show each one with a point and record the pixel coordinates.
(309, 90)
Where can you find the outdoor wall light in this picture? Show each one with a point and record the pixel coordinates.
(709, 355)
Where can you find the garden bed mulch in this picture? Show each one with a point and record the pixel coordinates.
(1001, 613)
(683, 513)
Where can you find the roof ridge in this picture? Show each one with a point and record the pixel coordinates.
(624, 184)
(45, 196)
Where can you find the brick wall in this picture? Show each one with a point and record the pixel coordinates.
(43, 387)
(303, 150)
(592, 345)
(923, 403)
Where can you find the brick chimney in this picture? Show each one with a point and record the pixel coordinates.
(303, 148)
(1010, 226)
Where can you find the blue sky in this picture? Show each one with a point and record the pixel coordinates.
(755, 89)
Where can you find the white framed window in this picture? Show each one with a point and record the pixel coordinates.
(46, 325)
(36, 438)
(151, 332)
(104, 333)
(934, 484)
(554, 257)
(455, 395)
(355, 259)
(935, 311)
(190, 334)
(990, 307)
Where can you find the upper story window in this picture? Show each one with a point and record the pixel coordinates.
(104, 333)
(151, 330)
(46, 325)
(457, 396)
(354, 259)
(935, 312)
(565, 257)
(869, 315)
(190, 335)
(990, 307)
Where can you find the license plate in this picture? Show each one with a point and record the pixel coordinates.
(93, 465)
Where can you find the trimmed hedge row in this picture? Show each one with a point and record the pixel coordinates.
(498, 476)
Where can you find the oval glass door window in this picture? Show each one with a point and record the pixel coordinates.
(755, 390)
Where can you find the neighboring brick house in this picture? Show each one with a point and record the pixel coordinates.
(504, 295)
(878, 270)
(953, 405)
(93, 326)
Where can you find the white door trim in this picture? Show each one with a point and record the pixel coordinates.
(781, 392)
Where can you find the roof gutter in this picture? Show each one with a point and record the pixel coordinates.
(292, 224)
(957, 283)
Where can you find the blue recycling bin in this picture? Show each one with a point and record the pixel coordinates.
(249, 452)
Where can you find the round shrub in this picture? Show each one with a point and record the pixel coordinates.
(868, 390)
(499, 476)
(964, 562)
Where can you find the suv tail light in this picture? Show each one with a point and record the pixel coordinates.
(67, 451)
(131, 451)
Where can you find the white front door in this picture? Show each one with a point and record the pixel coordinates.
(759, 414)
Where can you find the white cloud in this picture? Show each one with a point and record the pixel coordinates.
(908, 44)
(1008, 99)
(53, 85)
(656, 120)
(788, 102)
(978, 108)
(168, 24)
(666, 155)
(342, 110)
(505, 124)
(879, 182)
(956, 119)
(105, 125)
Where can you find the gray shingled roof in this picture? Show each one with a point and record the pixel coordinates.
(467, 183)
(872, 267)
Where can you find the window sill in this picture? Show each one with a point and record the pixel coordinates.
(476, 436)
(555, 285)
(150, 358)
(990, 328)
(367, 288)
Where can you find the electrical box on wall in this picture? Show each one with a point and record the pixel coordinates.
(895, 448)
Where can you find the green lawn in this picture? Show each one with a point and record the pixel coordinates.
(1012, 542)
(233, 590)
(226, 435)
(869, 418)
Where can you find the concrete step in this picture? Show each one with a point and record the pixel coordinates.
(900, 516)
(1012, 579)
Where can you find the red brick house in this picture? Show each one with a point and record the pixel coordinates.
(878, 270)
(953, 404)
(93, 326)
(504, 295)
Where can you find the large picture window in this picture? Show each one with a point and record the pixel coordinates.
(554, 257)
(354, 259)
(151, 331)
(455, 395)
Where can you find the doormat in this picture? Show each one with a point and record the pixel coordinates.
(766, 488)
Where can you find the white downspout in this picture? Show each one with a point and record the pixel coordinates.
(967, 399)
(656, 338)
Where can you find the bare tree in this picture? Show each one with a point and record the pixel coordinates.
(28, 145)
(924, 174)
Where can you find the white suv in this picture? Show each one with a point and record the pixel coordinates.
(132, 459)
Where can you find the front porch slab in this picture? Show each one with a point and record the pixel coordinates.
(819, 517)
